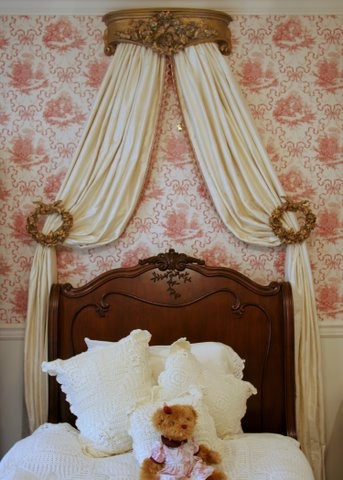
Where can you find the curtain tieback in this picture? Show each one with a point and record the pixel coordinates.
(290, 236)
(53, 237)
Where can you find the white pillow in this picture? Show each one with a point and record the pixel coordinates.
(224, 394)
(182, 369)
(102, 386)
(226, 397)
(212, 354)
(144, 435)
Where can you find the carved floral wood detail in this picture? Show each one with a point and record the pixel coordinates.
(167, 32)
(172, 264)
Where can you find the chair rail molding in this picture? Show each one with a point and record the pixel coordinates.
(12, 332)
(233, 7)
(331, 329)
(327, 329)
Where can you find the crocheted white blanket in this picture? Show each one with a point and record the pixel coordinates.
(53, 452)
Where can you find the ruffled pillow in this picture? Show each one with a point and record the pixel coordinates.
(224, 394)
(102, 386)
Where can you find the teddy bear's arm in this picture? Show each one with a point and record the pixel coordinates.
(157, 453)
(149, 469)
(208, 456)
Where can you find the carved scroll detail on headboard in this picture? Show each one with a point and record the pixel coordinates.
(238, 308)
(172, 263)
(102, 308)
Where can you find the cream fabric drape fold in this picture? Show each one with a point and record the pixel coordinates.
(101, 190)
(245, 190)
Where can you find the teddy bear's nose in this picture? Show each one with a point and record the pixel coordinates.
(184, 426)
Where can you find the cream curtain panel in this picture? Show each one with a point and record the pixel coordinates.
(101, 190)
(245, 191)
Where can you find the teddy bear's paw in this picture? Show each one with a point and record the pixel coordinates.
(218, 475)
(149, 470)
(210, 457)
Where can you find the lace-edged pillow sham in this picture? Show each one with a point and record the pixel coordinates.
(102, 386)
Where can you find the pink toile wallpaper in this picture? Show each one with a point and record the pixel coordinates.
(290, 72)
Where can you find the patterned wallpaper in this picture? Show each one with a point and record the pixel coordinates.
(290, 72)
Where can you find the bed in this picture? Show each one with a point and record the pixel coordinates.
(170, 329)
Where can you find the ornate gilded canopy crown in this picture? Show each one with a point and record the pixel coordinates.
(167, 32)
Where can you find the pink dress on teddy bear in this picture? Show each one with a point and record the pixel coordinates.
(180, 461)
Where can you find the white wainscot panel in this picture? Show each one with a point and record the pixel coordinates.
(12, 412)
(331, 334)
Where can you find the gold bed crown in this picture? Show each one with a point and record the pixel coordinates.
(167, 31)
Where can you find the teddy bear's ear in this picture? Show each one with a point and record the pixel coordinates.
(167, 409)
(159, 416)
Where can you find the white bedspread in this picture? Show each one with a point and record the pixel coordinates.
(53, 452)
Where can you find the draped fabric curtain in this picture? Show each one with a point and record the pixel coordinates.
(101, 190)
(245, 191)
(103, 185)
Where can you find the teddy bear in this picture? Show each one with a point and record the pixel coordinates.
(176, 456)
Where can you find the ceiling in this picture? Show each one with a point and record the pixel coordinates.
(99, 7)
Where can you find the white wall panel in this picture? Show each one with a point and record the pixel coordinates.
(12, 411)
(331, 334)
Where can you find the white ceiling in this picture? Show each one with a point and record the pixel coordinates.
(100, 7)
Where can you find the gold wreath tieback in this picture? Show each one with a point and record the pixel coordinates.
(289, 235)
(53, 237)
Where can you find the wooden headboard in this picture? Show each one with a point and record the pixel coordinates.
(173, 295)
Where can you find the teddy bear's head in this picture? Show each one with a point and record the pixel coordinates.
(175, 422)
